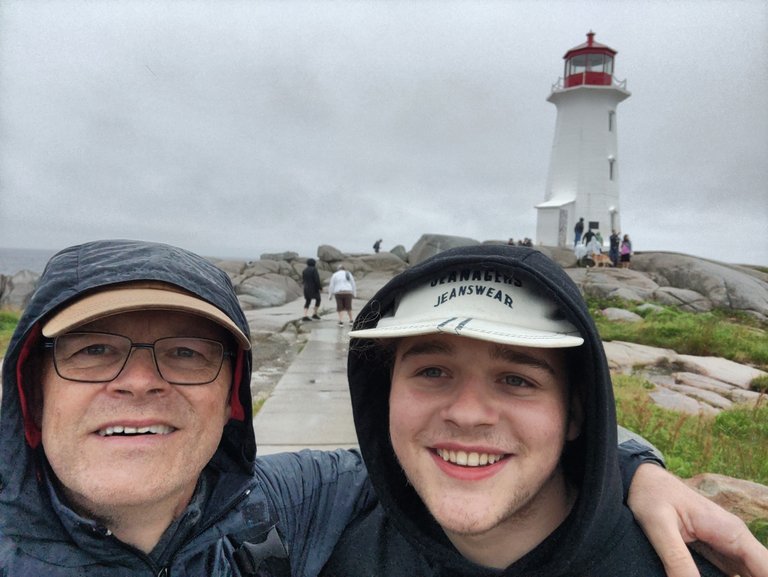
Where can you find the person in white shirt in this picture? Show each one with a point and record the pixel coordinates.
(343, 288)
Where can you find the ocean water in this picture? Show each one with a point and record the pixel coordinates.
(13, 260)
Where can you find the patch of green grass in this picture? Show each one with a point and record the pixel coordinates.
(727, 444)
(257, 404)
(8, 322)
(693, 444)
(739, 338)
(759, 384)
(759, 528)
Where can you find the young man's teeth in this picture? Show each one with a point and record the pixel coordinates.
(121, 430)
(468, 459)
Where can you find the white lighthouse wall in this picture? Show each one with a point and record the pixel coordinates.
(547, 226)
(584, 143)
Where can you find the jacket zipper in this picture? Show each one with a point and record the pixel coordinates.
(165, 571)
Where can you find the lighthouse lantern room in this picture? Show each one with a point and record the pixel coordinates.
(583, 172)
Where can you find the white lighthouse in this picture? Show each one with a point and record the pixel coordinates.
(583, 180)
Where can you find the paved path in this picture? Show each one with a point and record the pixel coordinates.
(309, 407)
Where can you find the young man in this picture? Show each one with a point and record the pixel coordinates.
(484, 409)
(126, 439)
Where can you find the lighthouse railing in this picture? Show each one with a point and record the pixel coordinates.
(573, 82)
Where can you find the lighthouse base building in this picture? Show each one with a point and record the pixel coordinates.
(583, 173)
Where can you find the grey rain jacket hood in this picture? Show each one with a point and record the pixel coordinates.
(401, 537)
(39, 535)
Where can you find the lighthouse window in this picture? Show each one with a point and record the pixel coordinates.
(611, 162)
(611, 120)
(595, 62)
(577, 64)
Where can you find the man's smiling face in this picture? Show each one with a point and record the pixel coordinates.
(177, 427)
(479, 429)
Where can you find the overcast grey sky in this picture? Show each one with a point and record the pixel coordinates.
(237, 128)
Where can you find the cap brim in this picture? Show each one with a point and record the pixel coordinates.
(472, 328)
(125, 299)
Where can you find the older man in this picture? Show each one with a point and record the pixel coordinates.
(127, 438)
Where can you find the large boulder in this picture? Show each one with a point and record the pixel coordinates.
(620, 283)
(384, 262)
(745, 499)
(400, 252)
(278, 256)
(684, 299)
(16, 290)
(727, 286)
(723, 370)
(328, 253)
(565, 257)
(431, 244)
(267, 266)
(232, 267)
(267, 290)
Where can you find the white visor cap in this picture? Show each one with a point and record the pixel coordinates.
(479, 304)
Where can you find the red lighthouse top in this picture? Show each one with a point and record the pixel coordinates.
(590, 63)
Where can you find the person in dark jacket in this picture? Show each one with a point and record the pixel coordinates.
(310, 279)
(484, 410)
(127, 438)
(578, 230)
(613, 251)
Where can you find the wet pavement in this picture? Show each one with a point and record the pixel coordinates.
(310, 407)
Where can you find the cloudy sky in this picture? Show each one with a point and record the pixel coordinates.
(237, 128)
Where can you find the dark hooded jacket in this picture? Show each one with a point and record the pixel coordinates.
(400, 537)
(244, 510)
(310, 278)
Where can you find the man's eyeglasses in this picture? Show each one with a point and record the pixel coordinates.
(100, 357)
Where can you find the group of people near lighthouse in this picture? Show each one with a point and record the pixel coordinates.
(587, 245)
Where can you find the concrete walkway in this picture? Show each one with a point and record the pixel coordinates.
(309, 407)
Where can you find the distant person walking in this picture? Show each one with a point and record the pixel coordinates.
(625, 251)
(343, 288)
(377, 246)
(578, 230)
(310, 278)
(613, 250)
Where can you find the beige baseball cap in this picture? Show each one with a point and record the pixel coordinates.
(481, 305)
(133, 297)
